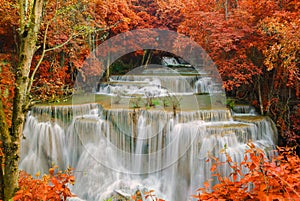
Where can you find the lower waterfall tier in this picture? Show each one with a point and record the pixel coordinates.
(125, 150)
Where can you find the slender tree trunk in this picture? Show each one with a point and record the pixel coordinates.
(149, 56)
(280, 4)
(107, 67)
(144, 56)
(261, 106)
(226, 9)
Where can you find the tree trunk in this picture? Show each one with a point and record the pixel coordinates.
(261, 106)
(226, 9)
(11, 171)
(149, 56)
(29, 29)
(107, 67)
(5, 139)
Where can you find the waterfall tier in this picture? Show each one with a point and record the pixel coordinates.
(159, 84)
(128, 149)
(243, 110)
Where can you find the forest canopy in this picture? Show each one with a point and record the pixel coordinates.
(255, 45)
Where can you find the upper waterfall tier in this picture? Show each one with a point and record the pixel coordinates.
(159, 82)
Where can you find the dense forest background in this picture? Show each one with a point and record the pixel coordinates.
(254, 43)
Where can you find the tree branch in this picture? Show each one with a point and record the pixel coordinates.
(108, 27)
(22, 16)
(40, 60)
(43, 54)
(61, 45)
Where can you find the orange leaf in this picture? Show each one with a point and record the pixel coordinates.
(213, 167)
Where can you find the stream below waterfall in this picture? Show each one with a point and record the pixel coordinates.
(126, 144)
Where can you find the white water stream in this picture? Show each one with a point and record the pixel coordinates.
(119, 151)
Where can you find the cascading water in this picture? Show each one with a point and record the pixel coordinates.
(160, 81)
(243, 110)
(117, 151)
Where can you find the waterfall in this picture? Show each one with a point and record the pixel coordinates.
(117, 149)
(243, 110)
(111, 151)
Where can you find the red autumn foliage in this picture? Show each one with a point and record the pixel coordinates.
(6, 85)
(228, 36)
(51, 187)
(266, 179)
(255, 45)
(148, 195)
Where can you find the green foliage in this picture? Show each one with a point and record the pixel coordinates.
(165, 102)
(156, 102)
(174, 102)
(151, 101)
(136, 102)
(120, 67)
(230, 102)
